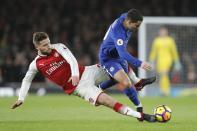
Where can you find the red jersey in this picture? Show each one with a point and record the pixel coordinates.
(58, 67)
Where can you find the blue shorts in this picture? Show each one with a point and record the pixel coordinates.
(112, 66)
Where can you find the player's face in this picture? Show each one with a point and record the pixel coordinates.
(44, 46)
(133, 26)
(163, 32)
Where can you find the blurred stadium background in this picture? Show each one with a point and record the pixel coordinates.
(81, 25)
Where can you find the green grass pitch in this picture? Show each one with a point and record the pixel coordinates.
(70, 113)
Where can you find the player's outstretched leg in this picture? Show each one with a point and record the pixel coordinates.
(133, 96)
(108, 101)
(139, 85)
(127, 88)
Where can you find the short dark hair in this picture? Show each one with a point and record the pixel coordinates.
(39, 36)
(134, 15)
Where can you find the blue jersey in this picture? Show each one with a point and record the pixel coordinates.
(114, 45)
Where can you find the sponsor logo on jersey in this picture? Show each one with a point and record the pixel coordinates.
(41, 64)
(54, 66)
(120, 42)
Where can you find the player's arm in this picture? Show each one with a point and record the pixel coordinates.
(69, 57)
(177, 64)
(122, 51)
(120, 44)
(26, 83)
(118, 36)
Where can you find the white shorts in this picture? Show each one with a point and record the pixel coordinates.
(87, 88)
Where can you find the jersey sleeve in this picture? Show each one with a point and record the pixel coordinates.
(69, 57)
(27, 80)
(121, 46)
(174, 50)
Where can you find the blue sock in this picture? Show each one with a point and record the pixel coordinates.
(107, 84)
(132, 94)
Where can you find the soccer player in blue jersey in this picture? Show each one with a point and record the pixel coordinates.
(114, 57)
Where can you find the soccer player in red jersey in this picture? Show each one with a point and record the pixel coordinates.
(57, 63)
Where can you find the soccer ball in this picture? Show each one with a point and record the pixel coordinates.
(162, 113)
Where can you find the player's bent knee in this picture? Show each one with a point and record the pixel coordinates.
(123, 79)
(126, 83)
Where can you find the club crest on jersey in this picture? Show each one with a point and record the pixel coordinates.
(120, 42)
(56, 54)
(111, 69)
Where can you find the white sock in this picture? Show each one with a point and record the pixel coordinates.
(125, 110)
(133, 77)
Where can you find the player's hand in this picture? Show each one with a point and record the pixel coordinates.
(146, 66)
(75, 80)
(177, 66)
(17, 104)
